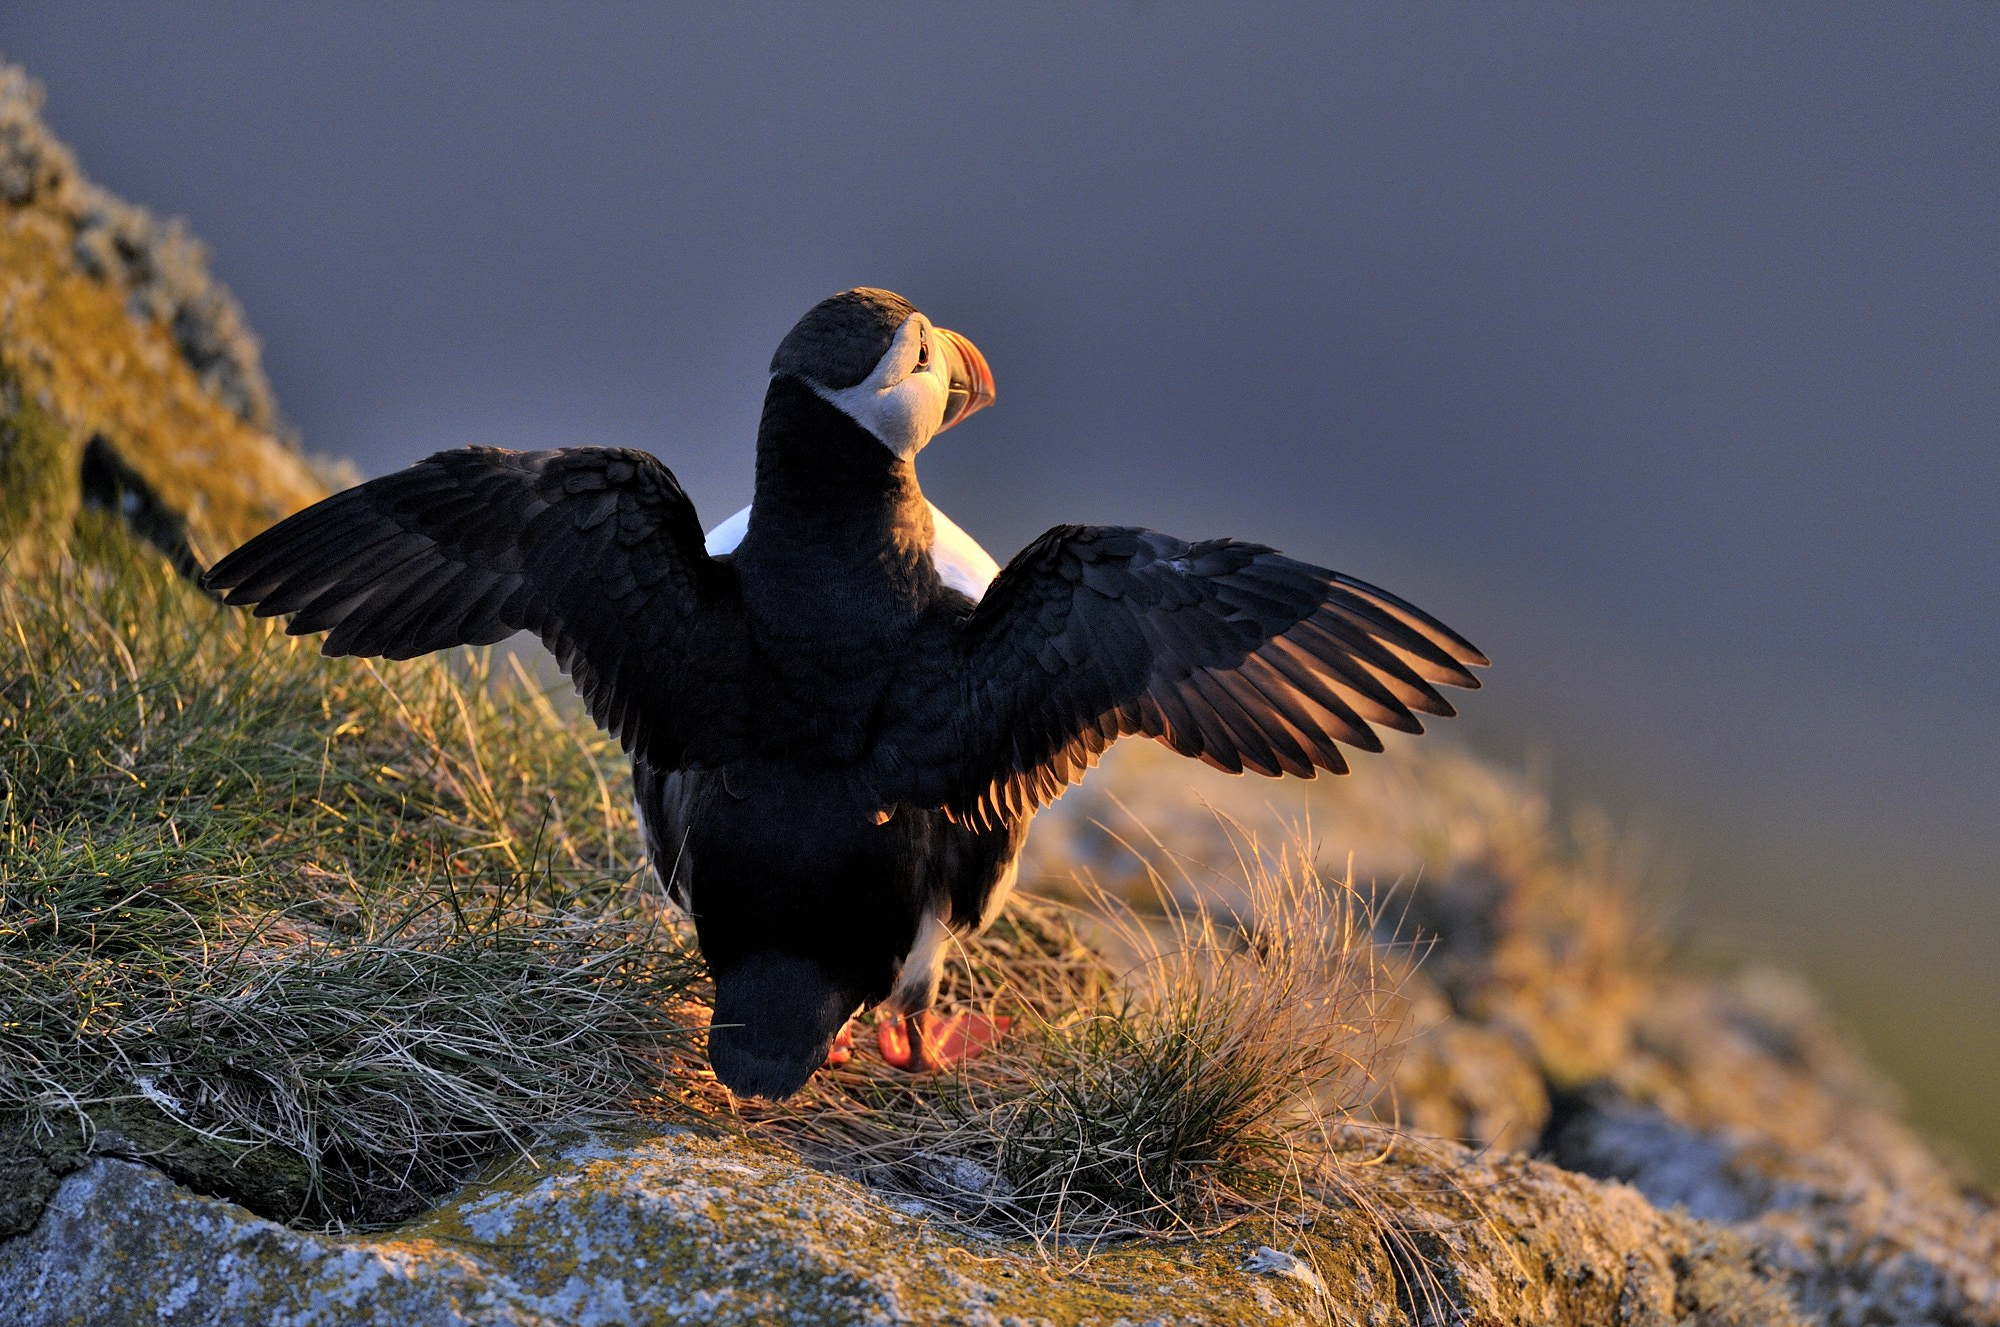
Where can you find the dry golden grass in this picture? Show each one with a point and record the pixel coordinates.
(1171, 1070)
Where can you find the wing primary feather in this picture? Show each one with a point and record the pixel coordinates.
(374, 627)
(1424, 656)
(335, 607)
(393, 564)
(1216, 736)
(305, 531)
(1305, 720)
(1392, 673)
(1266, 719)
(439, 622)
(1359, 688)
(1417, 620)
(1351, 712)
(306, 583)
(256, 570)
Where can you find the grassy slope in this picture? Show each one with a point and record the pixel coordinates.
(111, 328)
(307, 932)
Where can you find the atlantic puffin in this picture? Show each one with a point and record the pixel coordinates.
(839, 724)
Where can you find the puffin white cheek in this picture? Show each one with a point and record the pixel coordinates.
(903, 417)
(896, 421)
(908, 414)
(929, 402)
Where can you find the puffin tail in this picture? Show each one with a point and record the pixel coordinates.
(776, 1016)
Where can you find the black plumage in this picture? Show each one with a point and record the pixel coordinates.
(835, 754)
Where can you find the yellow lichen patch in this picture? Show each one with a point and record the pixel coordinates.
(79, 357)
(679, 1226)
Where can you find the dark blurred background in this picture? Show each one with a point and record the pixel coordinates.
(1658, 349)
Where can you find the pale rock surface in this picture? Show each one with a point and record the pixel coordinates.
(673, 1228)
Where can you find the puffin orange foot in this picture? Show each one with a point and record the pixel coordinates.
(928, 1042)
(842, 1049)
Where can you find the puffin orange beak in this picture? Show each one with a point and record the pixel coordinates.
(971, 381)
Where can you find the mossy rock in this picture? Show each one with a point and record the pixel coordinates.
(33, 1163)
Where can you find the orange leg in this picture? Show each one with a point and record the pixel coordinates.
(927, 1042)
(842, 1049)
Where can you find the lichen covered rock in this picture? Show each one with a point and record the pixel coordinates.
(679, 1228)
(669, 1229)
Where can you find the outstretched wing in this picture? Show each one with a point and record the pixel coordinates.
(1226, 651)
(595, 550)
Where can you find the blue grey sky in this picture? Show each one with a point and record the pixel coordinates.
(1656, 348)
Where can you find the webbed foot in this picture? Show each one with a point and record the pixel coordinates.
(927, 1042)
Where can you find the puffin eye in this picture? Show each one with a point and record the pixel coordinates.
(923, 351)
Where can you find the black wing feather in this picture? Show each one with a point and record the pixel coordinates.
(595, 550)
(1225, 651)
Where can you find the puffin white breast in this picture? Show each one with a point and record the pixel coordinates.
(961, 563)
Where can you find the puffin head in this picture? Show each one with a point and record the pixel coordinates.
(886, 366)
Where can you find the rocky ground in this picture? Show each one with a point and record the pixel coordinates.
(1632, 1144)
(1653, 1149)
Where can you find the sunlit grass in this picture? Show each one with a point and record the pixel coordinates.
(348, 928)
